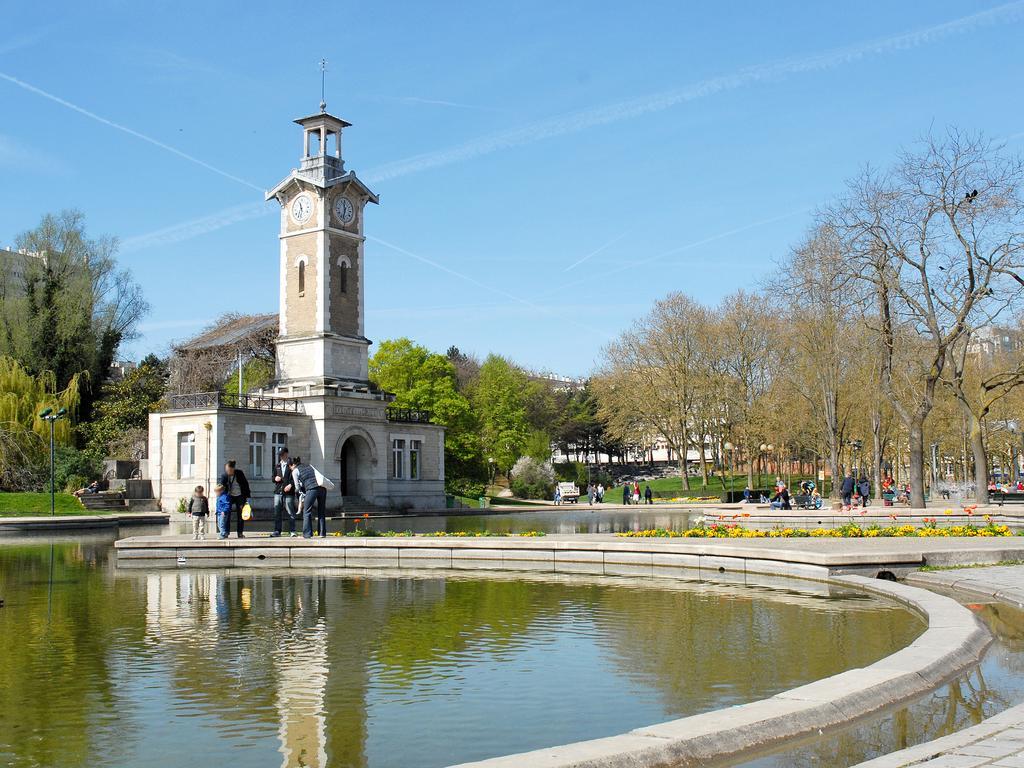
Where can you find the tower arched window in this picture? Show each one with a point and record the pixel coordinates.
(302, 278)
(343, 278)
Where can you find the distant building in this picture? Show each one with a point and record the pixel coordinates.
(14, 268)
(996, 340)
(121, 368)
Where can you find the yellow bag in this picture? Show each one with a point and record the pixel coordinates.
(247, 512)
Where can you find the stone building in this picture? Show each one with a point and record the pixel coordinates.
(321, 404)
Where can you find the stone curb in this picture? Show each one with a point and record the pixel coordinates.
(80, 522)
(953, 641)
(965, 583)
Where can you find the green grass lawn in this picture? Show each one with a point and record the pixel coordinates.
(30, 504)
(713, 488)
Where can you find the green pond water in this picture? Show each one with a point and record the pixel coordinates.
(108, 667)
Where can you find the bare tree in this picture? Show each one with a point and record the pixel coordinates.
(818, 291)
(979, 379)
(748, 339)
(651, 374)
(939, 242)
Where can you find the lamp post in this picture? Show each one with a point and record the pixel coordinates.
(49, 415)
(855, 446)
(729, 447)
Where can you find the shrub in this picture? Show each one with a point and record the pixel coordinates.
(72, 483)
(71, 466)
(531, 479)
(465, 487)
(573, 472)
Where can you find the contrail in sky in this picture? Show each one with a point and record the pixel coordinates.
(479, 283)
(587, 118)
(679, 249)
(186, 230)
(624, 110)
(593, 253)
(125, 129)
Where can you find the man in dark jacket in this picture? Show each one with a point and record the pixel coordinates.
(284, 494)
(864, 489)
(847, 489)
(649, 494)
(314, 498)
(236, 486)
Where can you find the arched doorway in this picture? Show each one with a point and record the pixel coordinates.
(356, 467)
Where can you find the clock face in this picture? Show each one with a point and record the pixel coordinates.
(302, 209)
(344, 211)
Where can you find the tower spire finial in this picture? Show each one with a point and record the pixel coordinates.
(323, 85)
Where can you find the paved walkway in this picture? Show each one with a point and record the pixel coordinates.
(997, 742)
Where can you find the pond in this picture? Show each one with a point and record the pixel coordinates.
(103, 667)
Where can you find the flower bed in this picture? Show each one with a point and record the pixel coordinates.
(848, 531)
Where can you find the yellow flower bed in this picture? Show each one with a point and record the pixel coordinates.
(849, 531)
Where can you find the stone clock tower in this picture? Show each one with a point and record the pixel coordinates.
(321, 339)
(321, 405)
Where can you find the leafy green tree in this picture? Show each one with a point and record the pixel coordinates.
(24, 436)
(73, 308)
(121, 416)
(500, 399)
(424, 380)
(256, 373)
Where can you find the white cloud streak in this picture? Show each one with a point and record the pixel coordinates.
(125, 129)
(574, 122)
(186, 230)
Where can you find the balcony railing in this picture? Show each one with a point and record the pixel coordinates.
(408, 415)
(208, 400)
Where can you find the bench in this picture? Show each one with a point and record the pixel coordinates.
(805, 501)
(1001, 498)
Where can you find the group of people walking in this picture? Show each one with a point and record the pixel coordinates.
(299, 491)
(631, 493)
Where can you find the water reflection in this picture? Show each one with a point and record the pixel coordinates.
(996, 684)
(103, 667)
(556, 521)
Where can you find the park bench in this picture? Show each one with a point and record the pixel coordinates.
(1013, 497)
(805, 501)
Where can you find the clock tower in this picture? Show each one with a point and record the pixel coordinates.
(321, 341)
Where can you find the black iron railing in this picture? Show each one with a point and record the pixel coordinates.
(205, 400)
(408, 415)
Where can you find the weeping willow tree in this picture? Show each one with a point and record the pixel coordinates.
(24, 436)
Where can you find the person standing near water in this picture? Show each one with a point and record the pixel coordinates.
(284, 495)
(314, 498)
(236, 486)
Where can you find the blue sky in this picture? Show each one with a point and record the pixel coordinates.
(546, 170)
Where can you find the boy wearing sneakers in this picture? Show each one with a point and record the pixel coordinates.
(198, 510)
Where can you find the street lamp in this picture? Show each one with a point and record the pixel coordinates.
(729, 447)
(49, 415)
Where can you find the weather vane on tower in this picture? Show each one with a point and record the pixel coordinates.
(323, 85)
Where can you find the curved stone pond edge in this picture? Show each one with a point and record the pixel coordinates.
(954, 640)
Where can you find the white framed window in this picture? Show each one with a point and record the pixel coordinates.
(415, 447)
(257, 445)
(186, 455)
(398, 459)
(278, 441)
